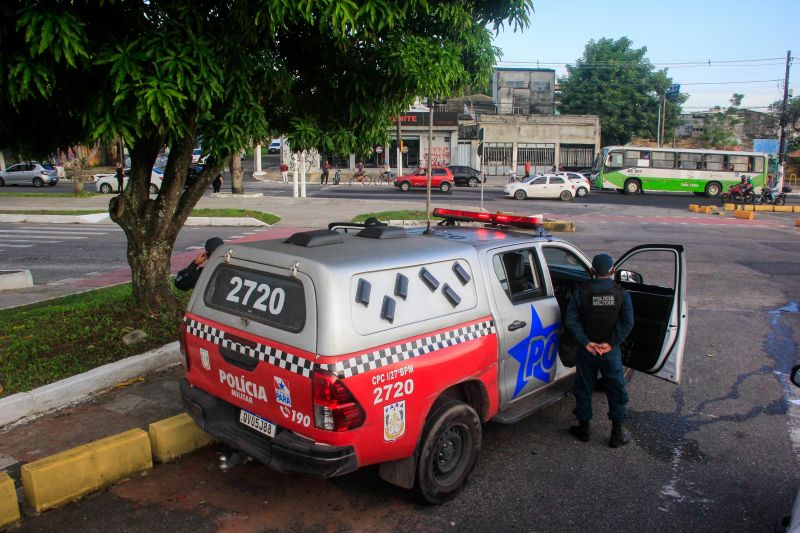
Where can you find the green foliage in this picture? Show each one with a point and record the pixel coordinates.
(619, 84)
(718, 128)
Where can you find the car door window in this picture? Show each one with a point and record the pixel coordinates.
(14, 168)
(556, 180)
(564, 260)
(438, 172)
(655, 268)
(519, 275)
(539, 181)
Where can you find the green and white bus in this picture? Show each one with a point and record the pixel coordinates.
(632, 169)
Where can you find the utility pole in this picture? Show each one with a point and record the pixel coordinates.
(429, 164)
(784, 116)
(399, 147)
(664, 119)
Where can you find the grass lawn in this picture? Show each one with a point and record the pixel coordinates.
(391, 215)
(53, 340)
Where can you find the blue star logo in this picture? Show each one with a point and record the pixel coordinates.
(536, 353)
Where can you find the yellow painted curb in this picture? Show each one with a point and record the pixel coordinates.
(559, 225)
(707, 209)
(748, 207)
(747, 215)
(763, 208)
(70, 474)
(797, 209)
(9, 507)
(175, 436)
(783, 208)
(729, 207)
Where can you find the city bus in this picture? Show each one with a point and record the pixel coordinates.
(633, 169)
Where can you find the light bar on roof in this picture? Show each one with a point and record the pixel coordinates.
(495, 219)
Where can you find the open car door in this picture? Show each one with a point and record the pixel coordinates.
(655, 277)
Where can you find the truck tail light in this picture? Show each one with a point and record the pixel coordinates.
(335, 407)
(182, 345)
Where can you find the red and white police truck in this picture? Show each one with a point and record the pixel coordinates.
(359, 345)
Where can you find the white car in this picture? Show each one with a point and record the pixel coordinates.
(274, 147)
(582, 185)
(107, 183)
(547, 186)
(197, 157)
(29, 173)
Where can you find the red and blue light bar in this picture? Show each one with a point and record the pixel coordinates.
(495, 219)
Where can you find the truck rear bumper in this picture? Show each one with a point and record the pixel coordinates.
(286, 452)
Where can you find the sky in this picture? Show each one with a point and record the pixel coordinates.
(746, 41)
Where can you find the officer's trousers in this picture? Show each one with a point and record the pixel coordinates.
(611, 369)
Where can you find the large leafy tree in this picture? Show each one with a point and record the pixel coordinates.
(618, 83)
(328, 73)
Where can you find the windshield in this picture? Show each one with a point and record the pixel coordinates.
(598, 160)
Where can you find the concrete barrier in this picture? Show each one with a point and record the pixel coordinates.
(68, 475)
(797, 223)
(694, 208)
(15, 279)
(729, 207)
(784, 208)
(763, 207)
(176, 436)
(9, 506)
(748, 207)
(747, 215)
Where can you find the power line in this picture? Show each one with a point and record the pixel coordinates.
(606, 64)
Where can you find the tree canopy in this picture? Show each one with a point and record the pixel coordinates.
(328, 74)
(620, 85)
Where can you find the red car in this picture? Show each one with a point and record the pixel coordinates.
(441, 178)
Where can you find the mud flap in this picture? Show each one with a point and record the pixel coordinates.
(400, 472)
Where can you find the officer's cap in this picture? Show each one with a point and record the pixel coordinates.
(213, 243)
(602, 263)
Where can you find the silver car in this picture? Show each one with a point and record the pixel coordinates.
(29, 173)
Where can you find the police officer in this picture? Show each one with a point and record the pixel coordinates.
(600, 317)
(186, 279)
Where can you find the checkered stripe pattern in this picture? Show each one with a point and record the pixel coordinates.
(409, 350)
(268, 354)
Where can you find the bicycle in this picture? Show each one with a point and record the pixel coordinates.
(337, 176)
(385, 177)
(363, 179)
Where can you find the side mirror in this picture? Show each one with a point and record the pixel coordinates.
(794, 375)
(628, 276)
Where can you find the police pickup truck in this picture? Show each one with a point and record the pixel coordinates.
(358, 345)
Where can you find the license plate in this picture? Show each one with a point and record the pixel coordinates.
(256, 422)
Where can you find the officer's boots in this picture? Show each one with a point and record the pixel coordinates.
(581, 431)
(618, 436)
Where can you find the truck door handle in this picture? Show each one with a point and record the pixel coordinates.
(517, 324)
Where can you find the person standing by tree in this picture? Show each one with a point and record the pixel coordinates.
(284, 172)
(120, 175)
(600, 317)
(326, 168)
(217, 183)
(186, 279)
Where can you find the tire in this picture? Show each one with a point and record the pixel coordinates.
(736, 198)
(38, 182)
(473, 182)
(581, 192)
(405, 186)
(448, 451)
(153, 188)
(445, 186)
(565, 196)
(105, 188)
(336, 180)
(633, 186)
(726, 196)
(749, 198)
(713, 189)
(519, 194)
(51, 184)
(780, 200)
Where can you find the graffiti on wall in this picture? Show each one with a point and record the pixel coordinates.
(440, 156)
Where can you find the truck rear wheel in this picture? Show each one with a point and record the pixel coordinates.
(448, 451)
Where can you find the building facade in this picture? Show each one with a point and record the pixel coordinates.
(524, 91)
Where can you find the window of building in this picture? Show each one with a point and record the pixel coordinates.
(539, 154)
(540, 86)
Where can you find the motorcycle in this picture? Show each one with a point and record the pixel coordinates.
(736, 195)
(768, 196)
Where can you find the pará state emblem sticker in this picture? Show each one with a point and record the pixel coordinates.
(394, 421)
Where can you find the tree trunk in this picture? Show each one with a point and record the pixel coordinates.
(237, 174)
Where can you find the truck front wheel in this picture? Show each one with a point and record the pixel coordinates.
(448, 451)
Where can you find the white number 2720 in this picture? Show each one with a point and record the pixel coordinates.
(276, 297)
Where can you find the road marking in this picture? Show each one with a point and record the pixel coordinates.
(17, 234)
(74, 228)
(4, 240)
(17, 245)
(56, 231)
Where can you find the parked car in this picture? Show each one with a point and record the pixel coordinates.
(107, 183)
(197, 156)
(547, 186)
(582, 183)
(274, 147)
(466, 176)
(441, 178)
(29, 173)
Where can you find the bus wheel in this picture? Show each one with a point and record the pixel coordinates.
(632, 186)
(448, 451)
(713, 189)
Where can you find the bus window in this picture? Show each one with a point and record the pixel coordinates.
(714, 162)
(689, 161)
(614, 160)
(663, 160)
(758, 166)
(738, 163)
(637, 158)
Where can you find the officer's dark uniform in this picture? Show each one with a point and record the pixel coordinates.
(600, 311)
(186, 279)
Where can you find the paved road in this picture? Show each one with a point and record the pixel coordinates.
(717, 453)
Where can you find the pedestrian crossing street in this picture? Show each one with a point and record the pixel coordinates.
(30, 236)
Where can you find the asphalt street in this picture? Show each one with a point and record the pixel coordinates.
(719, 452)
